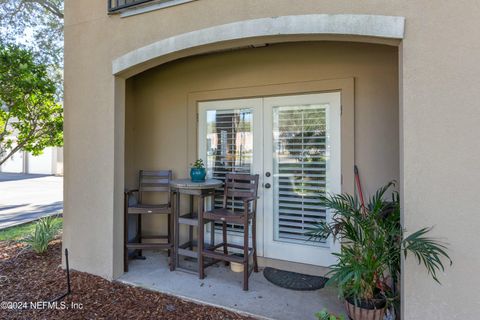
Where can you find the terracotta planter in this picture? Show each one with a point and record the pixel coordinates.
(358, 313)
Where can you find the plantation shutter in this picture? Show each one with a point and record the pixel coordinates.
(300, 166)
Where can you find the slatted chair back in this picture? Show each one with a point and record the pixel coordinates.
(154, 181)
(239, 187)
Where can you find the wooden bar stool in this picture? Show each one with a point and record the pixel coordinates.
(149, 181)
(238, 187)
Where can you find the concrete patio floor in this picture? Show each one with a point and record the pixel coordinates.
(223, 288)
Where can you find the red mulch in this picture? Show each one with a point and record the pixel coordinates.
(28, 277)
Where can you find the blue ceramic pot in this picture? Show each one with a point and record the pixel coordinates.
(198, 174)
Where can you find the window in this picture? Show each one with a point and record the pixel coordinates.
(117, 5)
(133, 7)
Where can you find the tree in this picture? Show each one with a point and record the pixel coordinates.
(38, 25)
(30, 117)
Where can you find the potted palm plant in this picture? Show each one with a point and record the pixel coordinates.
(372, 242)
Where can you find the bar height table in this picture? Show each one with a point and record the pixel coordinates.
(201, 190)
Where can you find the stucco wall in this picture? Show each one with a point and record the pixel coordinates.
(438, 121)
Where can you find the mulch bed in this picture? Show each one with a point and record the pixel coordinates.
(28, 277)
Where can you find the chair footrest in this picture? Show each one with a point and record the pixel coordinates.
(194, 243)
(229, 245)
(225, 257)
(149, 211)
(149, 246)
(188, 219)
(154, 237)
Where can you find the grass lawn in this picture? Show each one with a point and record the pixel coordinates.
(21, 231)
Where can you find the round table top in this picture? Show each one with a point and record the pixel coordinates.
(189, 184)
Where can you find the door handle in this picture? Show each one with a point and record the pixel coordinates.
(267, 185)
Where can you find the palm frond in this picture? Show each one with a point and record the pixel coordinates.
(320, 231)
(377, 201)
(343, 204)
(428, 251)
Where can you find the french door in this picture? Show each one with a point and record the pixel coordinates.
(230, 137)
(293, 143)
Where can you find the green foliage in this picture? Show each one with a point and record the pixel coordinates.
(45, 231)
(22, 231)
(38, 25)
(17, 232)
(325, 315)
(372, 243)
(30, 117)
(198, 164)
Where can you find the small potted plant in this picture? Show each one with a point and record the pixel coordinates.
(372, 242)
(326, 315)
(198, 172)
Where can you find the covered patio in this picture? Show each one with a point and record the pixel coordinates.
(299, 111)
(223, 108)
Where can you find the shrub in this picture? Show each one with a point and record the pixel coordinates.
(45, 231)
(325, 315)
(372, 242)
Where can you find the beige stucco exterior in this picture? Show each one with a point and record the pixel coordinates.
(438, 118)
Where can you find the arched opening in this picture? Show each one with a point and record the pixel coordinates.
(158, 122)
(314, 27)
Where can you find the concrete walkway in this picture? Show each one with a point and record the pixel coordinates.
(223, 288)
(27, 197)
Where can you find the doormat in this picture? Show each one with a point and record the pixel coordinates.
(293, 280)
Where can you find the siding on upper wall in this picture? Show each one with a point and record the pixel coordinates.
(157, 103)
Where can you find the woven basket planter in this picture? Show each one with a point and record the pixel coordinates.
(357, 313)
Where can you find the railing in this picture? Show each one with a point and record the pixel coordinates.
(117, 5)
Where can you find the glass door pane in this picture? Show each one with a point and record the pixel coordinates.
(229, 135)
(229, 142)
